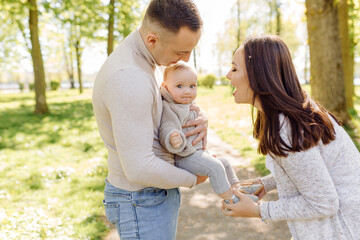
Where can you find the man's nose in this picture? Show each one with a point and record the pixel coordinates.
(186, 57)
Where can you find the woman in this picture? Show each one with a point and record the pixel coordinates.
(313, 162)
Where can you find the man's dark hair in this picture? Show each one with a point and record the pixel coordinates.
(174, 14)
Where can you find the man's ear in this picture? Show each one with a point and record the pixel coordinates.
(163, 84)
(151, 40)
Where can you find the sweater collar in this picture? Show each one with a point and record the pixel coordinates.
(136, 42)
(166, 95)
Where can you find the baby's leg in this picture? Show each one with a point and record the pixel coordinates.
(230, 173)
(203, 164)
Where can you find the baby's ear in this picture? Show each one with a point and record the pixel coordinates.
(163, 84)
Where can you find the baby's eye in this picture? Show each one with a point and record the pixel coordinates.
(179, 86)
(192, 86)
(233, 70)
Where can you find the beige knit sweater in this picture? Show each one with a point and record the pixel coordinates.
(175, 116)
(127, 106)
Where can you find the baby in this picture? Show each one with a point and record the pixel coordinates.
(179, 90)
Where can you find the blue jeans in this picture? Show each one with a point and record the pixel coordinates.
(147, 214)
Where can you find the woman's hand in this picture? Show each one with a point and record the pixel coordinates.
(249, 182)
(200, 124)
(244, 208)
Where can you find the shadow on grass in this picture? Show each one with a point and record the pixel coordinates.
(44, 129)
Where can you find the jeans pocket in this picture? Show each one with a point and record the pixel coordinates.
(151, 198)
(112, 212)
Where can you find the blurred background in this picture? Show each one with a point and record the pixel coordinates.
(52, 160)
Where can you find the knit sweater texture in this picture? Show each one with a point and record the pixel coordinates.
(319, 193)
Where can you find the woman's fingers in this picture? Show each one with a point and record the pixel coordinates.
(226, 209)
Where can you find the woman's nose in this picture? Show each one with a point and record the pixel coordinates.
(228, 75)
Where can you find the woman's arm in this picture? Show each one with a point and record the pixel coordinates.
(268, 182)
(317, 193)
(317, 196)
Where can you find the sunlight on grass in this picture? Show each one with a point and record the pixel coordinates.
(232, 122)
(53, 169)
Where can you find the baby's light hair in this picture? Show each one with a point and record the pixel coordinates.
(178, 67)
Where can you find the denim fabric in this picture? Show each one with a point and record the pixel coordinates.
(147, 214)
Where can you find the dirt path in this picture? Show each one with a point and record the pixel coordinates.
(200, 215)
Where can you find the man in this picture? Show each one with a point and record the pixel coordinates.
(141, 193)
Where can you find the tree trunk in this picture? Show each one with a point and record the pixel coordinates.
(343, 17)
(306, 57)
(278, 18)
(238, 36)
(69, 66)
(327, 77)
(78, 62)
(270, 2)
(194, 55)
(39, 75)
(110, 46)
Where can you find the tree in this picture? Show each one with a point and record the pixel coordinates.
(68, 57)
(327, 75)
(274, 9)
(17, 12)
(39, 74)
(82, 18)
(347, 54)
(123, 17)
(110, 46)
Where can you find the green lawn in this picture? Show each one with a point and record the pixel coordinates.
(53, 167)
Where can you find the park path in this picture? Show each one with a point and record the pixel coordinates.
(200, 215)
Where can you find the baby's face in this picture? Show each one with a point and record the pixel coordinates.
(182, 86)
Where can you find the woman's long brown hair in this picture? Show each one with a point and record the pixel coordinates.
(274, 81)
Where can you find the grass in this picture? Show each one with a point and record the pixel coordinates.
(52, 169)
(53, 166)
(232, 122)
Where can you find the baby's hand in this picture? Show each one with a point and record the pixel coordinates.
(175, 139)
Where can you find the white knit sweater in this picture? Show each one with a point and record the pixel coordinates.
(319, 189)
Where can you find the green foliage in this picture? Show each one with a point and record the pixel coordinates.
(21, 86)
(224, 80)
(54, 85)
(207, 80)
(32, 86)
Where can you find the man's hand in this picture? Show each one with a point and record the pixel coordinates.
(175, 139)
(200, 179)
(201, 124)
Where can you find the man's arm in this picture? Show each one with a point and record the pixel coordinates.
(129, 98)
